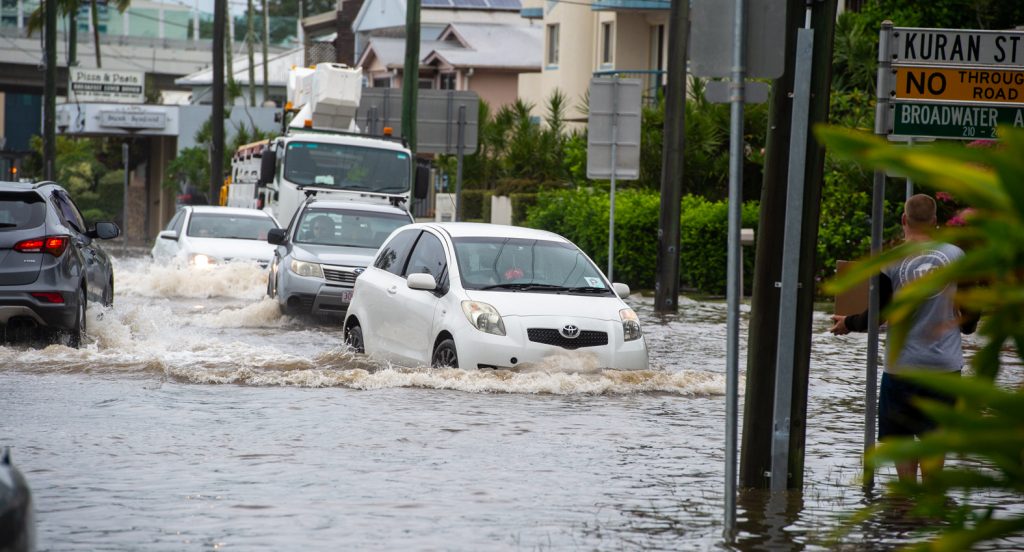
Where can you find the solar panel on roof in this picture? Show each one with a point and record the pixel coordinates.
(437, 3)
(506, 4)
(469, 3)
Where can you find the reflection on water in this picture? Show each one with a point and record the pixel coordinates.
(199, 417)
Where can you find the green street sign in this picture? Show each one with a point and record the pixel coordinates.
(958, 121)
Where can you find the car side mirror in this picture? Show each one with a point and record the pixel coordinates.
(277, 236)
(622, 290)
(168, 235)
(268, 163)
(422, 184)
(104, 230)
(422, 280)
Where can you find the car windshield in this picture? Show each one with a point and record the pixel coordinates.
(239, 227)
(342, 167)
(515, 264)
(19, 211)
(347, 227)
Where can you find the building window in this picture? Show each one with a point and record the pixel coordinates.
(382, 82)
(426, 84)
(447, 81)
(607, 42)
(553, 44)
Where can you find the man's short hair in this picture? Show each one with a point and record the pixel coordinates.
(920, 211)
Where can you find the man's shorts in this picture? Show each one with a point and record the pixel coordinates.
(897, 415)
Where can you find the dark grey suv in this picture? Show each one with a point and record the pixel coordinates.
(50, 262)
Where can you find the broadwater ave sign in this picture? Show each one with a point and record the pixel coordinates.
(965, 122)
(951, 83)
(101, 85)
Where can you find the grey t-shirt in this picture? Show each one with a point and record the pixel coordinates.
(934, 339)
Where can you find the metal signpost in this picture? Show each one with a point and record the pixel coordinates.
(613, 139)
(746, 51)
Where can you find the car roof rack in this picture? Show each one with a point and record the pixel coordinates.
(42, 183)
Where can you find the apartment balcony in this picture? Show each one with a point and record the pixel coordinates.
(629, 5)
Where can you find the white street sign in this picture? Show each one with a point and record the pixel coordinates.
(102, 85)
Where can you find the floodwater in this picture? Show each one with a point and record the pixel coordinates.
(200, 418)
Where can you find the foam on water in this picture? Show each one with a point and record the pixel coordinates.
(148, 279)
(604, 382)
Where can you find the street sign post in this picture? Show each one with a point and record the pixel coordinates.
(613, 139)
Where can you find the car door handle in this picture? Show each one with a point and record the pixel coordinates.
(392, 290)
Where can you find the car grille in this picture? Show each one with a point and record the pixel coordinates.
(343, 275)
(549, 336)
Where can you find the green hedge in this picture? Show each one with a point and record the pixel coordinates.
(473, 204)
(703, 236)
(582, 216)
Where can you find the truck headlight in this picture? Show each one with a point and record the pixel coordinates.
(630, 325)
(198, 259)
(310, 270)
(484, 317)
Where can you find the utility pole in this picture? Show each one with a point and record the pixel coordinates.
(96, 33)
(217, 117)
(50, 91)
(755, 455)
(411, 72)
(266, 60)
(666, 287)
(250, 36)
(73, 37)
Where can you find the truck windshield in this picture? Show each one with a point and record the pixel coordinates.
(345, 167)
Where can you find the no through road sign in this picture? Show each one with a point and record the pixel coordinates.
(960, 84)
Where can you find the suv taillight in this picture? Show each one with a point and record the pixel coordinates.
(54, 245)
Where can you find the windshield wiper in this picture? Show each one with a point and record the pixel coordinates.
(526, 287)
(588, 289)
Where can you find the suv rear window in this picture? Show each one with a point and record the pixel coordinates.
(19, 211)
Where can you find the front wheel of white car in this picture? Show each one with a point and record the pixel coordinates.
(354, 338)
(445, 355)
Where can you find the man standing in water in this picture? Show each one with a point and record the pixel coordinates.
(933, 342)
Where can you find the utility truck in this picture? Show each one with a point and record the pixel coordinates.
(323, 153)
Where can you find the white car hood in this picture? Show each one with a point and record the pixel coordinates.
(530, 303)
(335, 255)
(236, 250)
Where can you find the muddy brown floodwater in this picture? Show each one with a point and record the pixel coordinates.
(198, 417)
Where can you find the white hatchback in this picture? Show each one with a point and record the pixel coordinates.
(203, 235)
(489, 296)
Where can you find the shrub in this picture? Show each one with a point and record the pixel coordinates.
(472, 204)
(582, 216)
(704, 233)
(521, 203)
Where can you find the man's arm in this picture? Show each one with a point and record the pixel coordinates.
(859, 322)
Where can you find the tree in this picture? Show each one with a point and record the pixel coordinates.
(70, 9)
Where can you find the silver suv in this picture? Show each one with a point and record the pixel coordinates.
(50, 262)
(325, 247)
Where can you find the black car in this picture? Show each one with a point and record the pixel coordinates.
(50, 262)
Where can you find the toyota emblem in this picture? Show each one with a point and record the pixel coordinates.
(570, 331)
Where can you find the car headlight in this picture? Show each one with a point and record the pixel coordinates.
(198, 259)
(302, 268)
(630, 325)
(484, 317)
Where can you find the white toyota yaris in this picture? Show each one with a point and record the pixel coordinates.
(489, 296)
